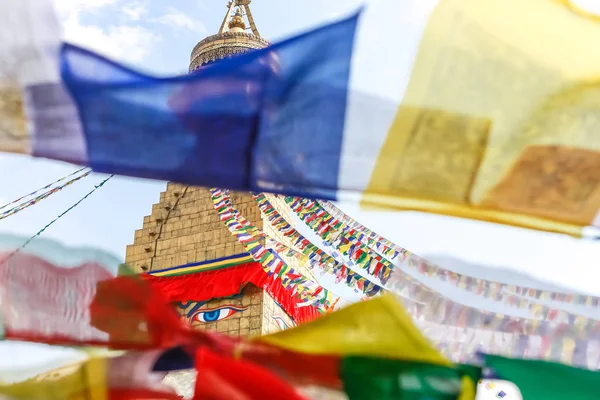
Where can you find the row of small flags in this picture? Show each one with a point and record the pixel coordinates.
(327, 262)
(309, 292)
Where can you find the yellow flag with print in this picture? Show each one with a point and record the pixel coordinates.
(86, 380)
(500, 119)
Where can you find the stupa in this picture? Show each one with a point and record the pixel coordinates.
(184, 240)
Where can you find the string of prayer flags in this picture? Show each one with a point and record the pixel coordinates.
(440, 317)
(497, 291)
(48, 186)
(40, 197)
(317, 257)
(309, 292)
(358, 254)
(332, 229)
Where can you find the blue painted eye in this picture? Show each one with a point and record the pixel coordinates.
(216, 314)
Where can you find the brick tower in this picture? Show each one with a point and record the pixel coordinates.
(184, 235)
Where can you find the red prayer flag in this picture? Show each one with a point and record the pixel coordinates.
(223, 378)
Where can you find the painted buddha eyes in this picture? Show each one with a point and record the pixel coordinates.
(207, 316)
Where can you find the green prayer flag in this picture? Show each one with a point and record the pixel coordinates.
(546, 380)
(386, 379)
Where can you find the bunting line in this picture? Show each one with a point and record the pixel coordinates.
(316, 256)
(538, 310)
(43, 188)
(37, 199)
(481, 287)
(38, 233)
(309, 292)
(435, 313)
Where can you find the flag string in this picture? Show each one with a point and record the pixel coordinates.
(43, 188)
(38, 233)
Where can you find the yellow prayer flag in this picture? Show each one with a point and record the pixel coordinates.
(501, 117)
(86, 380)
(376, 328)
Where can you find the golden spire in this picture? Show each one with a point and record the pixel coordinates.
(236, 21)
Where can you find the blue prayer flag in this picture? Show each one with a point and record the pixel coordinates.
(269, 119)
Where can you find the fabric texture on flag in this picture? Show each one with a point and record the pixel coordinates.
(223, 378)
(374, 328)
(128, 376)
(87, 379)
(270, 117)
(546, 380)
(30, 37)
(380, 379)
(228, 282)
(527, 154)
(82, 305)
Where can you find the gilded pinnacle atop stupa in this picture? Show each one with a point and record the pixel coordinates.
(237, 34)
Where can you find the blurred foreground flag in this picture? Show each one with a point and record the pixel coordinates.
(499, 121)
(545, 380)
(125, 377)
(375, 328)
(381, 353)
(224, 378)
(222, 125)
(53, 294)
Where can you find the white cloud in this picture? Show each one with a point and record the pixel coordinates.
(65, 7)
(128, 43)
(135, 11)
(178, 19)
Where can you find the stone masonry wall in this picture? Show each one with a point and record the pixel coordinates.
(184, 228)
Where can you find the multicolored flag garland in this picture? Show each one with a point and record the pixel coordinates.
(38, 198)
(462, 330)
(331, 229)
(310, 292)
(321, 259)
(488, 289)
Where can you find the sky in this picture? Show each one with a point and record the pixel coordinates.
(156, 37)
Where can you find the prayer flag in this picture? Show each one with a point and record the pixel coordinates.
(381, 379)
(376, 328)
(459, 143)
(223, 378)
(546, 380)
(240, 123)
(125, 377)
(80, 303)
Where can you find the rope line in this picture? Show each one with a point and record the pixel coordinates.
(96, 187)
(40, 189)
(26, 204)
